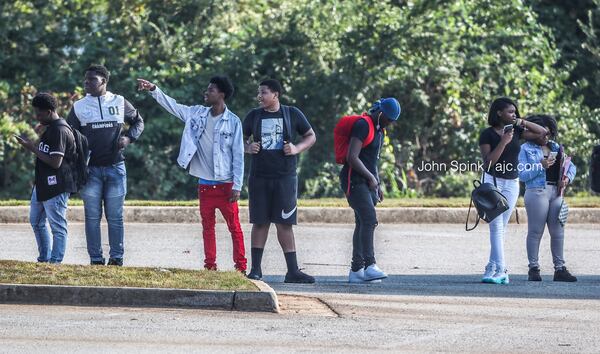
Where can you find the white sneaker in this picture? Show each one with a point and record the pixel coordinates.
(373, 272)
(489, 272)
(356, 277)
(500, 277)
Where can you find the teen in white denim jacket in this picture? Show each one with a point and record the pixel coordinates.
(228, 152)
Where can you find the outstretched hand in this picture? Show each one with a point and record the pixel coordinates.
(145, 85)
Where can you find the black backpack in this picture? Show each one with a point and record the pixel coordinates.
(595, 169)
(81, 158)
(488, 201)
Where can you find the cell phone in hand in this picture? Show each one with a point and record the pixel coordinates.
(508, 128)
(553, 155)
(18, 137)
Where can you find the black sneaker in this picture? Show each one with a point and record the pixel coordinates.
(255, 274)
(562, 274)
(534, 274)
(299, 277)
(115, 262)
(98, 262)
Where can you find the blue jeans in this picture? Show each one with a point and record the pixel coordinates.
(55, 210)
(510, 189)
(106, 185)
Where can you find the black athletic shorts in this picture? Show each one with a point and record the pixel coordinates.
(273, 200)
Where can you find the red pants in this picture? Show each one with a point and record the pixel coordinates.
(217, 197)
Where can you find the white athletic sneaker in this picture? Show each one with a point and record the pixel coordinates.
(500, 277)
(489, 272)
(373, 272)
(356, 277)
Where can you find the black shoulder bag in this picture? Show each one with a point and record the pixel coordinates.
(488, 201)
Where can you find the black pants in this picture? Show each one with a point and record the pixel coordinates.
(363, 201)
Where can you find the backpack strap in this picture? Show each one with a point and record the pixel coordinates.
(560, 159)
(75, 141)
(349, 181)
(287, 123)
(468, 215)
(255, 126)
(371, 134)
(493, 176)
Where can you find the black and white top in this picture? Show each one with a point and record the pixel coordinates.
(271, 162)
(101, 120)
(49, 182)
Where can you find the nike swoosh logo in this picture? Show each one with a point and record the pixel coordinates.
(285, 215)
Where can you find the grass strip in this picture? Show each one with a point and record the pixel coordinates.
(17, 272)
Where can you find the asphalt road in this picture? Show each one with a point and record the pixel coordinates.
(433, 300)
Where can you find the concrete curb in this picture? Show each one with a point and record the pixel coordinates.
(265, 300)
(413, 215)
(256, 301)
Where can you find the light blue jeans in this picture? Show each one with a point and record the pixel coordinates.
(106, 185)
(55, 211)
(510, 189)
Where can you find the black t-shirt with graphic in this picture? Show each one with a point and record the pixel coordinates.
(49, 182)
(270, 162)
(507, 165)
(369, 155)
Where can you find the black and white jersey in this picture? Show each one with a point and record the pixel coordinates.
(101, 120)
(49, 182)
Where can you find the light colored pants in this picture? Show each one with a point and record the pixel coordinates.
(55, 211)
(510, 189)
(106, 185)
(543, 207)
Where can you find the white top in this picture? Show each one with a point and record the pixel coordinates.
(206, 147)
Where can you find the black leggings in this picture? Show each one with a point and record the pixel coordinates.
(363, 201)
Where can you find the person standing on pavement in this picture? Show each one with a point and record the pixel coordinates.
(273, 182)
(546, 171)
(54, 178)
(213, 150)
(359, 179)
(499, 145)
(100, 116)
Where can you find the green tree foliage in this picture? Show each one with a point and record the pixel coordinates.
(444, 60)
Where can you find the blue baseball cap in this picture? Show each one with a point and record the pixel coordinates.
(388, 106)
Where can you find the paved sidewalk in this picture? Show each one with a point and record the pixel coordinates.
(428, 259)
(433, 300)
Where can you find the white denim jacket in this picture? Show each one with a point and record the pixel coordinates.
(228, 149)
